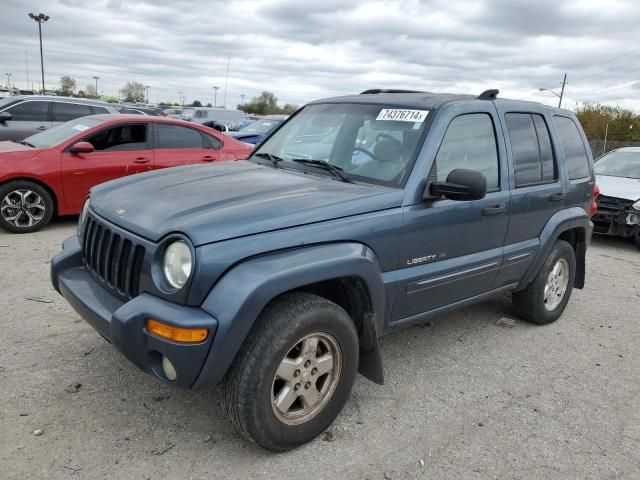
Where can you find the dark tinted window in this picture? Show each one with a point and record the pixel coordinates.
(99, 110)
(575, 153)
(63, 112)
(213, 141)
(30, 111)
(122, 137)
(470, 142)
(531, 149)
(173, 136)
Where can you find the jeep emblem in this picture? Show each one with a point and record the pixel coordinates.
(121, 212)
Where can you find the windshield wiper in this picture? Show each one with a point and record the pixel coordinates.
(22, 142)
(269, 156)
(337, 171)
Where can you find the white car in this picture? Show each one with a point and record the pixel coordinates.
(618, 176)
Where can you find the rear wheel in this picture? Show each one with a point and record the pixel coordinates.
(25, 206)
(294, 373)
(544, 300)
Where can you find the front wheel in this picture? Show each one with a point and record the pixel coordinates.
(546, 297)
(25, 207)
(294, 373)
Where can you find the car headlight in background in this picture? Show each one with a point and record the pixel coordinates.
(178, 264)
(636, 205)
(83, 216)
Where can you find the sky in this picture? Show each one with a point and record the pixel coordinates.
(303, 51)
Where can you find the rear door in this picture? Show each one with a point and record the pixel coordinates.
(119, 150)
(28, 117)
(537, 188)
(180, 145)
(64, 111)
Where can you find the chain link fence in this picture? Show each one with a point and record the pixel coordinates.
(598, 147)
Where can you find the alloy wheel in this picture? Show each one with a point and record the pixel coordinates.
(22, 208)
(556, 286)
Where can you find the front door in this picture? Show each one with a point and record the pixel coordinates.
(452, 250)
(120, 150)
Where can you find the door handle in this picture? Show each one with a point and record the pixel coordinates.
(556, 197)
(498, 209)
(141, 160)
(41, 127)
(208, 158)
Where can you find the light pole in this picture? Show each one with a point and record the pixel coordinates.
(40, 19)
(215, 96)
(96, 79)
(559, 95)
(242, 99)
(147, 87)
(181, 98)
(9, 83)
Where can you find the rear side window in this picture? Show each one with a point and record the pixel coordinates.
(470, 142)
(213, 141)
(531, 148)
(575, 153)
(63, 112)
(29, 111)
(174, 136)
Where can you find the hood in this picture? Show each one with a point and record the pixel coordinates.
(210, 203)
(619, 187)
(12, 151)
(13, 147)
(244, 136)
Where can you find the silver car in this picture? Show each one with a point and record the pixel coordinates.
(618, 176)
(23, 115)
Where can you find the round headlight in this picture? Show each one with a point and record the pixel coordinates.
(83, 216)
(178, 264)
(636, 205)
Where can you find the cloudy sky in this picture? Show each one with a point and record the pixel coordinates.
(304, 50)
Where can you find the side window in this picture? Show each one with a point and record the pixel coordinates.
(29, 111)
(173, 136)
(470, 142)
(531, 148)
(63, 112)
(99, 110)
(575, 153)
(120, 138)
(213, 141)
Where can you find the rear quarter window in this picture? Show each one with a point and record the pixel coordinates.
(575, 153)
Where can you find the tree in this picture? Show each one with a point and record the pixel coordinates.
(618, 123)
(209, 104)
(91, 91)
(264, 104)
(81, 94)
(196, 103)
(132, 92)
(67, 86)
(289, 109)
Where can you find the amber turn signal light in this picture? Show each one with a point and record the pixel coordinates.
(177, 334)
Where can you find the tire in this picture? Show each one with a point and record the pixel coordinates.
(21, 219)
(636, 238)
(530, 303)
(275, 342)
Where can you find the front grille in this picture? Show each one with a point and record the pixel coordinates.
(612, 204)
(115, 260)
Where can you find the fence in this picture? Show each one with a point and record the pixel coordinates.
(598, 147)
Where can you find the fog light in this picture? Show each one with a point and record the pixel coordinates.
(633, 219)
(177, 334)
(168, 369)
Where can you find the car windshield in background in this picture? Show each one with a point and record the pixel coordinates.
(261, 126)
(370, 143)
(60, 133)
(619, 164)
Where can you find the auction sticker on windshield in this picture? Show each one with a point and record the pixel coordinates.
(402, 115)
(81, 128)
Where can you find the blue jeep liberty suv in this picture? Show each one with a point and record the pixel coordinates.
(276, 276)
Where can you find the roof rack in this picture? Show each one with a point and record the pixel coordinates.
(489, 94)
(374, 91)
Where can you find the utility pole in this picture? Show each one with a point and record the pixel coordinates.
(26, 60)
(242, 98)
(606, 131)
(226, 81)
(40, 19)
(564, 82)
(215, 96)
(9, 83)
(147, 87)
(181, 98)
(96, 78)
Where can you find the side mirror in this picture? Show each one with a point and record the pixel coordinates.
(82, 147)
(5, 116)
(461, 184)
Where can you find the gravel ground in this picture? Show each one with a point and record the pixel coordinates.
(464, 398)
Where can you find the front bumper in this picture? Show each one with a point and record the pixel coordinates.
(123, 323)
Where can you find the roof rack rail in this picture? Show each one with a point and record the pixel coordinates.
(374, 91)
(489, 94)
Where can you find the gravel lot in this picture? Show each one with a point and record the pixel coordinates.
(463, 398)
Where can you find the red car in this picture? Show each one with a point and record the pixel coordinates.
(51, 172)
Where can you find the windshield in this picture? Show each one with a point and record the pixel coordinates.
(619, 164)
(261, 126)
(55, 135)
(370, 143)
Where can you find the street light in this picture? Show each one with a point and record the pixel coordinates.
(96, 79)
(9, 83)
(242, 98)
(215, 96)
(181, 98)
(559, 95)
(40, 19)
(147, 87)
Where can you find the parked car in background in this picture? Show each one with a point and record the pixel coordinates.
(22, 116)
(618, 176)
(235, 126)
(257, 131)
(51, 172)
(173, 112)
(222, 116)
(4, 92)
(138, 110)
